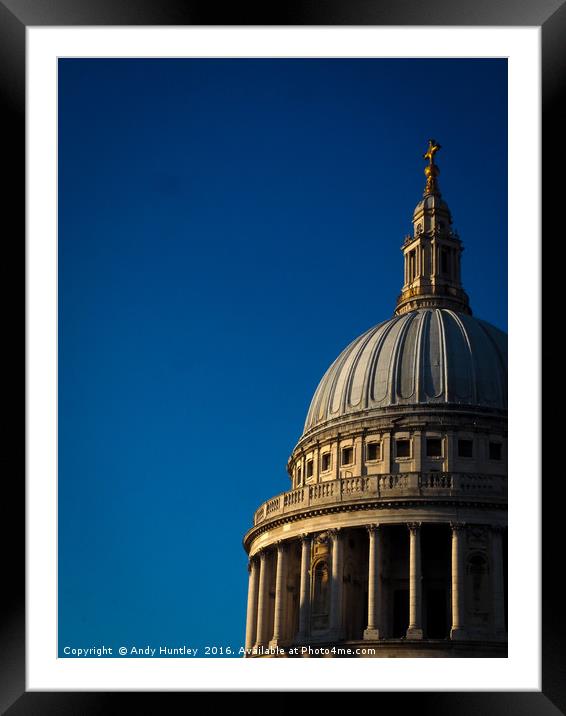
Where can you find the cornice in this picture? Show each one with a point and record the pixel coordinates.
(393, 505)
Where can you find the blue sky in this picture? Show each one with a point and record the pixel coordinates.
(226, 227)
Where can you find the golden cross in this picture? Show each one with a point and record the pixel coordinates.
(433, 147)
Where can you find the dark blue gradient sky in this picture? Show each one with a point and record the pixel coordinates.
(226, 227)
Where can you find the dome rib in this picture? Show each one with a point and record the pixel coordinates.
(419, 362)
(371, 368)
(349, 378)
(472, 392)
(446, 386)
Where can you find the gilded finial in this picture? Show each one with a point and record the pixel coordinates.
(433, 147)
(431, 170)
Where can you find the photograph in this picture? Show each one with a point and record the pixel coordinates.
(225, 228)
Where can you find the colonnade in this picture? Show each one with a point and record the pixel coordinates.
(259, 618)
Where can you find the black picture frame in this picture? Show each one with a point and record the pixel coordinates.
(15, 17)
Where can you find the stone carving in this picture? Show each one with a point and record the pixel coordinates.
(457, 526)
(477, 536)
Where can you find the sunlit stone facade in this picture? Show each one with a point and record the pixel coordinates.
(392, 540)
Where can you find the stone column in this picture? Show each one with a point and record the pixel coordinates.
(263, 600)
(458, 605)
(415, 630)
(251, 620)
(498, 589)
(305, 588)
(336, 593)
(280, 594)
(374, 583)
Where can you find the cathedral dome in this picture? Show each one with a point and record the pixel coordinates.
(392, 532)
(431, 356)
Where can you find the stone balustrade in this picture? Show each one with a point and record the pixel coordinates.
(389, 486)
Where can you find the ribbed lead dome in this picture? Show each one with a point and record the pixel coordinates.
(427, 356)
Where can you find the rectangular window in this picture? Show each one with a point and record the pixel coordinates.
(299, 474)
(347, 456)
(465, 448)
(434, 447)
(403, 448)
(325, 462)
(309, 468)
(495, 451)
(374, 451)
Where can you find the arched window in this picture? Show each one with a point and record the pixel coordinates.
(321, 596)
